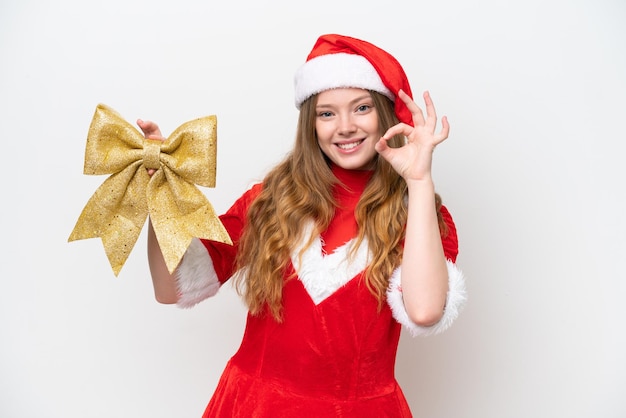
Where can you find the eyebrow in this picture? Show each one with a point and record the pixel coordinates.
(352, 102)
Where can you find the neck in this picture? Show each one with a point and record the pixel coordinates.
(355, 180)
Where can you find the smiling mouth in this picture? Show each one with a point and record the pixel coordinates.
(350, 145)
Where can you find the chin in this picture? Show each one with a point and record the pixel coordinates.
(355, 165)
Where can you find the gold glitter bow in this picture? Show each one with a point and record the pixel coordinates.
(118, 209)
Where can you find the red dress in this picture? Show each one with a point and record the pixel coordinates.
(334, 353)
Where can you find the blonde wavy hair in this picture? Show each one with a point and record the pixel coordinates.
(300, 189)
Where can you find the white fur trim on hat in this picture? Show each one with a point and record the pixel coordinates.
(195, 276)
(457, 296)
(333, 71)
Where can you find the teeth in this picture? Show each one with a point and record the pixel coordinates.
(349, 146)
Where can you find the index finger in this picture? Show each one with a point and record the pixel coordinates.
(150, 129)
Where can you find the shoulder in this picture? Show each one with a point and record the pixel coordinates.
(252, 192)
(242, 204)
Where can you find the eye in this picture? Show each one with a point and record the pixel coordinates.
(324, 114)
(363, 108)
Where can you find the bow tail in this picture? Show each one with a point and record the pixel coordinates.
(180, 212)
(116, 213)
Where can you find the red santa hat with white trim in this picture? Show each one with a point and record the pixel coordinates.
(341, 61)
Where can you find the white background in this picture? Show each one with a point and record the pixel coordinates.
(533, 173)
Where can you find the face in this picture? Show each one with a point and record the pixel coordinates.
(346, 124)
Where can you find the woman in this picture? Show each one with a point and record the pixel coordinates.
(341, 244)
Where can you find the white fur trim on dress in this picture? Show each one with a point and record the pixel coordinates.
(324, 274)
(196, 276)
(335, 71)
(457, 296)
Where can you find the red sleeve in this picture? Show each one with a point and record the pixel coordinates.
(223, 255)
(450, 240)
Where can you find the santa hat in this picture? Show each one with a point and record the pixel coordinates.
(341, 61)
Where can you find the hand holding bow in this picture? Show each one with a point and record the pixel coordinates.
(118, 209)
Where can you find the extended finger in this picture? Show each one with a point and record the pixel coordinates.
(431, 114)
(445, 130)
(416, 112)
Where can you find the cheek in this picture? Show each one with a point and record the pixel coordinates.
(374, 126)
(323, 134)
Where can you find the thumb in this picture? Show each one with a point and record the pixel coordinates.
(382, 148)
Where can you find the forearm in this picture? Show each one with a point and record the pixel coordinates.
(424, 277)
(165, 286)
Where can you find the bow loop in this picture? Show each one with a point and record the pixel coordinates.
(194, 144)
(112, 143)
(118, 209)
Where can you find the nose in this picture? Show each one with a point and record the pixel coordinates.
(346, 124)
